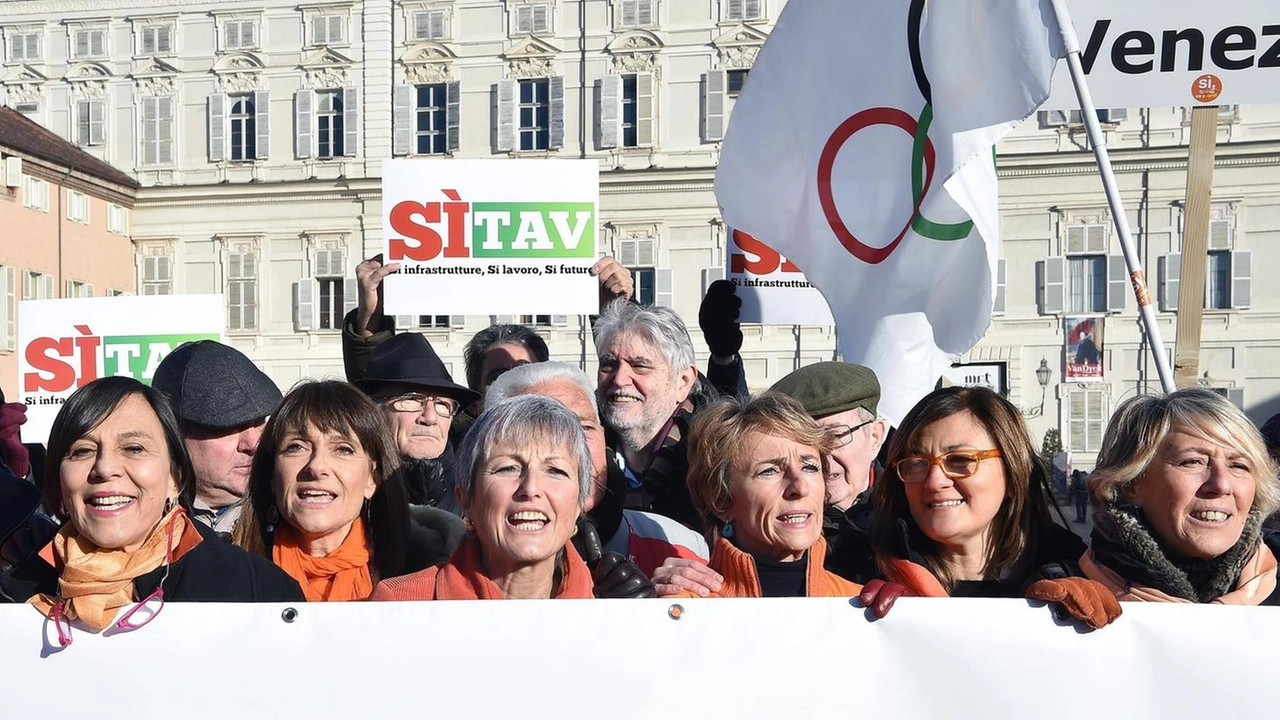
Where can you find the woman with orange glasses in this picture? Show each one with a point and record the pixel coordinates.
(966, 510)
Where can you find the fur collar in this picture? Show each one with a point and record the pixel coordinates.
(1122, 540)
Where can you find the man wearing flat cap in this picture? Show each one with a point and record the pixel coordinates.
(407, 378)
(842, 397)
(222, 400)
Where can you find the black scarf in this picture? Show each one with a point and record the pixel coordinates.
(425, 480)
(1123, 541)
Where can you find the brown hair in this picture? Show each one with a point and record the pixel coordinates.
(1024, 516)
(719, 434)
(333, 406)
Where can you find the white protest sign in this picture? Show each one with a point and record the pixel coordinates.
(65, 344)
(773, 289)
(1174, 53)
(794, 658)
(488, 237)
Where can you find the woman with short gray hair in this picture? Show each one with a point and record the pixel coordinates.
(522, 476)
(1182, 485)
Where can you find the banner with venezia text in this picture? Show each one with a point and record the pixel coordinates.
(490, 237)
(795, 658)
(65, 344)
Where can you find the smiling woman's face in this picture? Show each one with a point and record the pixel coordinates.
(116, 478)
(1196, 494)
(524, 504)
(321, 482)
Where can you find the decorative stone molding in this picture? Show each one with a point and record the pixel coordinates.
(152, 77)
(635, 51)
(739, 46)
(238, 72)
(239, 243)
(530, 58)
(88, 80)
(22, 84)
(426, 63)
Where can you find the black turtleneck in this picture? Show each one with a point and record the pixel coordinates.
(782, 579)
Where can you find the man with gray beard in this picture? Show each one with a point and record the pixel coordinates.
(649, 389)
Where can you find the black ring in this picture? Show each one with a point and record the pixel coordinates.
(915, 16)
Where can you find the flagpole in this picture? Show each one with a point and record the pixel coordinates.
(1090, 116)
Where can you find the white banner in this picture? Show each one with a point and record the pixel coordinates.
(491, 237)
(773, 289)
(65, 344)
(800, 658)
(1174, 53)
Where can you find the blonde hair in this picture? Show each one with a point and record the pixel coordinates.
(719, 435)
(1140, 425)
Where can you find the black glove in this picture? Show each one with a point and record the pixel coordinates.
(718, 318)
(614, 576)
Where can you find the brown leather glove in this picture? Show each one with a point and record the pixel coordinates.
(1088, 601)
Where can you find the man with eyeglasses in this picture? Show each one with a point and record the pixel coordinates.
(408, 379)
(842, 398)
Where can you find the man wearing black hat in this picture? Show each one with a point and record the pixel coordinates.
(222, 400)
(408, 379)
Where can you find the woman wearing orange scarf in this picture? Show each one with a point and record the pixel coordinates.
(523, 473)
(1182, 485)
(119, 473)
(326, 503)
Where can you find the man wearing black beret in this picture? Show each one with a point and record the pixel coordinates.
(223, 401)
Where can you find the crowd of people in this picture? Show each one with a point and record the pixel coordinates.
(653, 480)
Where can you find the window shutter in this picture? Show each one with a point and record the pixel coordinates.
(713, 84)
(404, 322)
(82, 123)
(710, 275)
(82, 43)
(560, 320)
(541, 23)
(1241, 279)
(304, 305)
(1054, 286)
(1171, 285)
(1075, 238)
(46, 287)
(644, 12)
(1096, 238)
(644, 109)
(422, 25)
(609, 93)
(402, 119)
(663, 289)
(1117, 283)
(629, 13)
(97, 122)
(524, 20)
(262, 121)
(9, 311)
(302, 124)
(504, 115)
(350, 292)
(1095, 419)
(753, 10)
(217, 127)
(1236, 396)
(88, 290)
(150, 130)
(1220, 235)
(164, 127)
(457, 321)
(1051, 118)
(350, 120)
(437, 25)
(555, 86)
(453, 117)
(998, 305)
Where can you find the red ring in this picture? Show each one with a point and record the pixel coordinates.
(846, 130)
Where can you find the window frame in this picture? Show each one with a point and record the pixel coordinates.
(77, 207)
(1074, 423)
(239, 44)
(90, 32)
(159, 123)
(437, 112)
(539, 134)
(248, 284)
(24, 40)
(330, 121)
(30, 198)
(530, 26)
(430, 13)
(86, 125)
(329, 21)
(248, 124)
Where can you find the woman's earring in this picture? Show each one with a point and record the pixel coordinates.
(169, 504)
(727, 529)
(466, 524)
(273, 517)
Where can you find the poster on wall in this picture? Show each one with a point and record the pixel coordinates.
(490, 237)
(1083, 339)
(773, 289)
(66, 344)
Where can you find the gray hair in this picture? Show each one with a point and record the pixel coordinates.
(517, 381)
(523, 421)
(493, 336)
(658, 325)
(1140, 425)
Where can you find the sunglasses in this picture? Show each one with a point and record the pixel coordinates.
(138, 615)
(955, 465)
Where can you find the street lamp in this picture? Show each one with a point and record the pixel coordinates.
(1043, 373)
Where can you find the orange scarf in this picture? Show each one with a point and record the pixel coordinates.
(340, 576)
(95, 583)
(463, 578)
(741, 580)
(1257, 581)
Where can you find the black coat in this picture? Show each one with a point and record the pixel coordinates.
(212, 571)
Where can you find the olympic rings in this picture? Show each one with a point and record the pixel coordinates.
(922, 160)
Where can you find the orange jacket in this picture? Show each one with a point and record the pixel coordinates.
(741, 580)
(463, 578)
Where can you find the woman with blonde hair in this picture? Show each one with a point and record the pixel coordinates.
(1182, 485)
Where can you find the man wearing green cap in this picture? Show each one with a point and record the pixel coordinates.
(842, 397)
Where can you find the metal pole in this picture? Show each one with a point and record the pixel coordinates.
(1090, 116)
